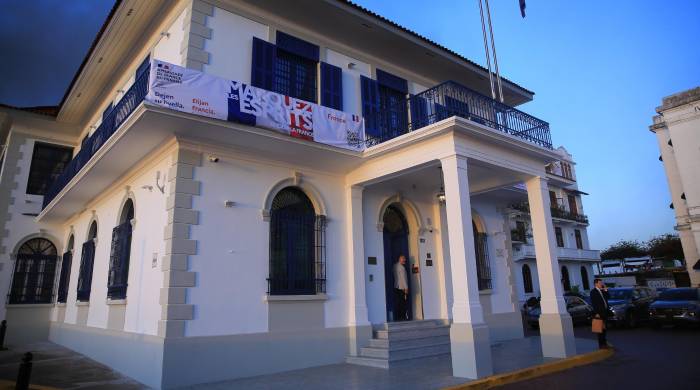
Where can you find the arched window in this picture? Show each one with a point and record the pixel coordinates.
(87, 260)
(297, 245)
(120, 253)
(565, 281)
(584, 278)
(64, 279)
(527, 279)
(483, 267)
(35, 268)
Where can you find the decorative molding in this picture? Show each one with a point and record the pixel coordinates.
(196, 32)
(408, 205)
(175, 311)
(295, 180)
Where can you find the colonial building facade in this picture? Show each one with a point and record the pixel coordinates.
(157, 232)
(676, 127)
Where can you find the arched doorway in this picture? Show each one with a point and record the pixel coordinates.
(35, 269)
(565, 280)
(395, 245)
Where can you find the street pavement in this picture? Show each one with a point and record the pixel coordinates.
(668, 358)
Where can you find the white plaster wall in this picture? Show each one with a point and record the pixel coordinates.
(430, 278)
(145, 279)
(352, 94)
(231, 45)
(499, 298)
(168, 46)
(232, 258)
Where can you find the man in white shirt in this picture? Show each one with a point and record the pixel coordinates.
(400, 289)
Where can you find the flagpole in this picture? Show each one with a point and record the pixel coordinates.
(493, 46)
(486, 49)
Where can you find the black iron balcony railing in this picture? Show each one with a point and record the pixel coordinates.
(131, 99)
(452, 99)
(557, 212)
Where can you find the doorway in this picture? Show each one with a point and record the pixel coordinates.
(395, 245)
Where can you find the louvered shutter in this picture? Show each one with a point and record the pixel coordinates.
(263, 69)
(331, 86)
(370, 105)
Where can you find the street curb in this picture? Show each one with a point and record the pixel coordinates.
(536, 371)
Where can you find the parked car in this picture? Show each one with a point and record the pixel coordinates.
(585, 295)
(578, 309)
(629, 305)
(676, 306)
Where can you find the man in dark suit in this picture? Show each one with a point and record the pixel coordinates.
(599, 300)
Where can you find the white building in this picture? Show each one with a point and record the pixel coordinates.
(179, 248)
(576, 258)
(677, 131)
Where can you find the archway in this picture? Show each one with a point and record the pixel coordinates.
(395, 235)
(35, 269)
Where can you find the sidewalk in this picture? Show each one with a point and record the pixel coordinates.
(425, 373)
(59, 367)
(62, 368)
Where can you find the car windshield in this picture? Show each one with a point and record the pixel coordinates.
(620, 294)
(679, 295)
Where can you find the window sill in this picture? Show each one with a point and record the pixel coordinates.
(295, 298)
(116, 301)
(82, 303)
(28, 305)
(488, 291)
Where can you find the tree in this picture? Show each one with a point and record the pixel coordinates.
(665, 246)
(622, 250)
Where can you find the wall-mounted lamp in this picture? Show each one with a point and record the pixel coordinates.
(351, 65)
(229, 203)
(213, 159)
(441, 194)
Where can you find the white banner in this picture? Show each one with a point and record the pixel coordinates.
(197, 93)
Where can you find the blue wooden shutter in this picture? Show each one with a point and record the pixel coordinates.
(370, 105)
(419, 112)
(263, 69)
(297, 46)
(331, 86)
(394, 82)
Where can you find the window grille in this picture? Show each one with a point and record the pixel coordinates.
(295, 76)
(119, 261)
(87, 260)
(483, 267)
(64, 279)
(34, 273)
(297, 245)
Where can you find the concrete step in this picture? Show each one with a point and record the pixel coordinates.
(410, 324)
(405, 353)
(411, 333)
(369, 362)
(395, 345)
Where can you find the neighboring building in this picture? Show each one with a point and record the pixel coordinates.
(576, 258)
(181, 240)
(677, 129)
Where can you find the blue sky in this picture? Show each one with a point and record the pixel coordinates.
(598, 68)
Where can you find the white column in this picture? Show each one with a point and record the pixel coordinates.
(556, 328)
(360, 328)
(469, 334)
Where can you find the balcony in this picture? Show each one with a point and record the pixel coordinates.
(560, 172)
(561, 213)
(518, 235)
(557, 212)
(451, 99)
(131, 99)
(527, 251)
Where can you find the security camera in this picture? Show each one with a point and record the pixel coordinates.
(213, 159)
